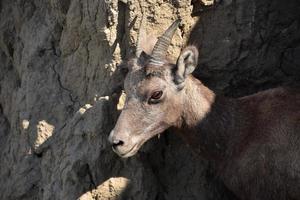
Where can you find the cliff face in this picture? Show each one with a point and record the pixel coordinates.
(248, 46)
(59, 86)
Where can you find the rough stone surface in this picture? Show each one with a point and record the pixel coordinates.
(248, 45)
(60, 85)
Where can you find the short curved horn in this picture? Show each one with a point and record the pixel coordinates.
(163, 43)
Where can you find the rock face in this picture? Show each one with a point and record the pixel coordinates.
(59, 86)
(248, 45)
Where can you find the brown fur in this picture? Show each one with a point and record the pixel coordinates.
(253, 142)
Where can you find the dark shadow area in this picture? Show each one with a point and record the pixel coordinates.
(248, 46)
(181, 173)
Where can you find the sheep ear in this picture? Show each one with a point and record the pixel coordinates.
(186, 64)
(143, 59)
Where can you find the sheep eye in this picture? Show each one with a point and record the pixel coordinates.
(156, 95)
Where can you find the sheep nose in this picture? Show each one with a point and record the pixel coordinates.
(117, 142)
(114, 141)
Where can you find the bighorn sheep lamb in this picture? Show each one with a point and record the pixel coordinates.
(254, 141)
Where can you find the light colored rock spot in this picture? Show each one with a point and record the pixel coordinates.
(122, 100)
(83, 109)
(25, 124)
(44, 131)
(208, 2)
(97, 98)
(110, 189)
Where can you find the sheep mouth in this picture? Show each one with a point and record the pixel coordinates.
(131, 152)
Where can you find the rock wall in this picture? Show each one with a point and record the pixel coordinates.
(60, 84)
(248, 45)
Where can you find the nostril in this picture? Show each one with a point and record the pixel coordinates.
(117, 142)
